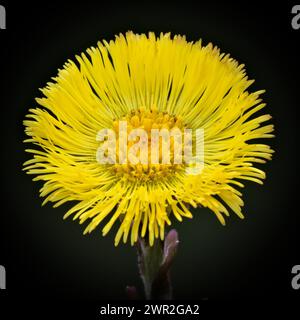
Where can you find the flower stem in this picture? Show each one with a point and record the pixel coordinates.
(154, 264)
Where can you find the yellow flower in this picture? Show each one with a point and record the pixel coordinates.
(152, 83)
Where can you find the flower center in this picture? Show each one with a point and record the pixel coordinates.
(152, 147)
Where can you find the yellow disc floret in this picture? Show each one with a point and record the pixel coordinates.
(148, 119)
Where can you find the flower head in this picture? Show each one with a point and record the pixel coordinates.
(146, 82)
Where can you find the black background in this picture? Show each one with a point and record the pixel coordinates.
(48, 258)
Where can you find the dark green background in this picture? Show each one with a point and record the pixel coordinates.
(48, 257)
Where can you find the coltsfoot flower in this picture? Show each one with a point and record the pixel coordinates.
(151, 83)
